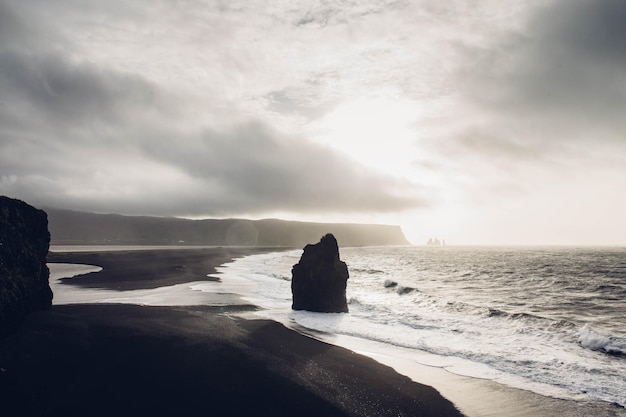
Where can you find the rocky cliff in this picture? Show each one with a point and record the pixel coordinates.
(80, 228)
(319, 280)
(24, 242)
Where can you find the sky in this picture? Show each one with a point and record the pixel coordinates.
(478, 121)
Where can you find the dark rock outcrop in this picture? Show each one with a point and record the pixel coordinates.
(319, 280)
(24, 243)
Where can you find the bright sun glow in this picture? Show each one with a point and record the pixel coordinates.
(377, 132)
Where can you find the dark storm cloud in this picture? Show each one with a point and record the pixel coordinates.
(14, 28)
(51, 106)
(80, 135)
(546, 94)
(42, 84)
(564, 73)
(66, 93)
(592, 29)
(258, 169)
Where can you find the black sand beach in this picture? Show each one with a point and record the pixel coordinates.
(111, 359)
(143, 269)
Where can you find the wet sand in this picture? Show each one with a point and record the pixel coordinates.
(472, 396)
(144, 269)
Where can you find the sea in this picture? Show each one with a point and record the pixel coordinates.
(551, 320)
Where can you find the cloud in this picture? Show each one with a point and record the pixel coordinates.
(539, 101)
(220, 108)
(49, 87)
(563, 75)
(259, 169)
(83, 134)
(246, 169)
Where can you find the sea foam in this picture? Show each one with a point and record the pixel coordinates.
(484, 313)
(594, 340)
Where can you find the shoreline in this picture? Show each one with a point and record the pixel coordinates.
(474, 397)
(126, 270)
(488, 396)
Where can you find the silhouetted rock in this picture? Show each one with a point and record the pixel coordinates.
(319, 280)
(24, 243)
(390, 284)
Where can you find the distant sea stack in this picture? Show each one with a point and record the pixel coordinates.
(319, 280)
(24, 243)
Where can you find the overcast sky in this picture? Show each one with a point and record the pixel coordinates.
(478, 122)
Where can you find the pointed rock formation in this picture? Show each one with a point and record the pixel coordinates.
(24, 243)
(319, 280)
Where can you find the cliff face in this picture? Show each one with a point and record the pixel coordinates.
(79, 228)
(24, 242)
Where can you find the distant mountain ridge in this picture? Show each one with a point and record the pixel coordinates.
(69, 227)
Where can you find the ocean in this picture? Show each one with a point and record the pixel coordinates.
(548, 320)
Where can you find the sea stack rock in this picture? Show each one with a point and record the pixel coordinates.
(319, 280)
(24, 243)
